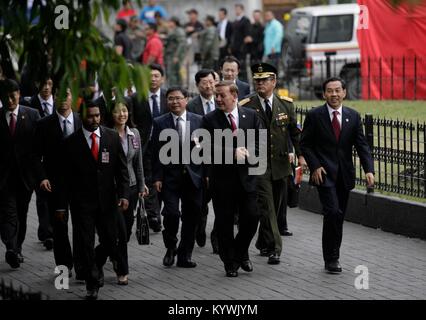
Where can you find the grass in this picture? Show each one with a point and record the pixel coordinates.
(390, 109)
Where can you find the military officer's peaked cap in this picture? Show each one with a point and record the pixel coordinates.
(263, 70)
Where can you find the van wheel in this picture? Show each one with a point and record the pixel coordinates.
(353, 84)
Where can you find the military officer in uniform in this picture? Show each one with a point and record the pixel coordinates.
(175, 50)
(279, 118)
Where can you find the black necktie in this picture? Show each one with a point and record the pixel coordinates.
(268, 110)
(65, 131)
(155, 109)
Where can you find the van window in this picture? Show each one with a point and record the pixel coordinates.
(334, 28)
(300, 25)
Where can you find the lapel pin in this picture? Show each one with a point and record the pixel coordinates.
(244, 115)
(347, 120)
(23, 117)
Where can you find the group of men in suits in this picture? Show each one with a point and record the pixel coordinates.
(80, 164)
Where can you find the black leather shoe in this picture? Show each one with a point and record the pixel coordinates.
(20, 257)
(92, 294)
(286, 233)
(169, 258)
(232, 273)
(274, 259)
(247, 266)
(265, 252)
(200, 238)
(186, 264)
(48, 244)
(12, 259)
(333, 267)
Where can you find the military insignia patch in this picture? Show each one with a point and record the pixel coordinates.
(243, 102)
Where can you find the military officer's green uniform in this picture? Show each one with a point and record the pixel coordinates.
(175, 47)
(209, 48)
(272, 186)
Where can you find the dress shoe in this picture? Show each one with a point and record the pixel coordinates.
(286, 233)
(333, 267)
(12, 259)
(123, 280)
(20, 257)
(92, 294)
(247, 266)
(231, 273)
(186, 264)
(266, 252)
(169, 258)
(200, 238)
(274, 259)
(48, 244)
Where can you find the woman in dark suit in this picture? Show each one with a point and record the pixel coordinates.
(131, 142)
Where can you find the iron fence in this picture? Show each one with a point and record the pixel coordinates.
(390, 78)
(398, 149)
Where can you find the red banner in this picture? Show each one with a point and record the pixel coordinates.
(392, 41)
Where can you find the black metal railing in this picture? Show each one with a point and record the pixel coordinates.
(390, 78)
(398, 149)
(8, 292)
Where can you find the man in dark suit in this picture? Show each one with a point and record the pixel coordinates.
(17, 169)
(240, 38)
(49, 139)
(177, 180)
(232, 187)
(230, 69)
(95, 184)
(279, 118)
(43, 103)
(224, 29)
(144, 112)
(201, 105)
(329, 134)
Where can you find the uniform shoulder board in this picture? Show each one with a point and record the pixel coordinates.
(288, 99)
(243, 102)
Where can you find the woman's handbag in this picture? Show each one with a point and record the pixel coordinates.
(142, 226)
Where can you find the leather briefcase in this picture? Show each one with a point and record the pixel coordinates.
(142, 226)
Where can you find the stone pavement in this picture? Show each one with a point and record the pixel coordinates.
(396, 269)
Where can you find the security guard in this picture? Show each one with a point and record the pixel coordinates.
(278, 116)
(174, 52)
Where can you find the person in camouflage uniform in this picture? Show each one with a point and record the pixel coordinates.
(209, 45)
(175, 49)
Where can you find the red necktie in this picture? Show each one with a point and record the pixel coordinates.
(336, 125)
(233, 125)
(95, 147)
(12, 124)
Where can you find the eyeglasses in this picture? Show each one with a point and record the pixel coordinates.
(173, 99)
(264, 79)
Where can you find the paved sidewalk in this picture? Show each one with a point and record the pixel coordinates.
(396, 265)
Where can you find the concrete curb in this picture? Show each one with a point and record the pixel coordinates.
(375, 210)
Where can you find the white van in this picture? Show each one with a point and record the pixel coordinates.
(321, 41)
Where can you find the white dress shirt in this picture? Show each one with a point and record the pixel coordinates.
(48, 102)
(222, 28)
(204, 102)
(339, 115)
(184, 123)
(69, 122)
(16, 111)
(234, 113)
(88, 134)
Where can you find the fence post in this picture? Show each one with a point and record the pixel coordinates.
(369, 134)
